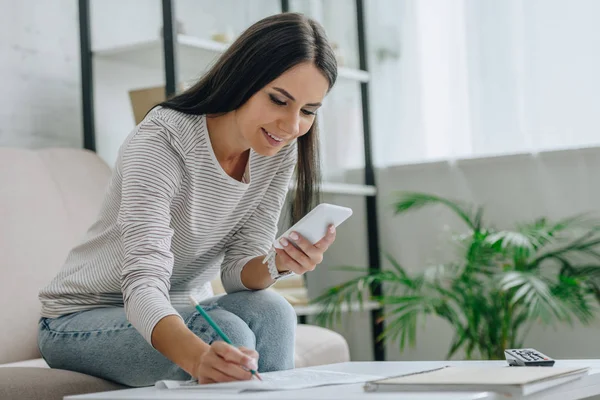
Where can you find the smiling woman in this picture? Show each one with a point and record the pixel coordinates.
(198, 188)
(270, 60)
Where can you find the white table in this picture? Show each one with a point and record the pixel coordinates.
(581, 389)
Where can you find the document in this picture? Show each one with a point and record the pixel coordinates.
(281, 380)
(520, 381)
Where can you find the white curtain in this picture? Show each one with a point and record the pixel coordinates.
(463, 78)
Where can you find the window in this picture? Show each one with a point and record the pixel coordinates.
(468, 78)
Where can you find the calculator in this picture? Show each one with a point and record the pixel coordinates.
(527, 358)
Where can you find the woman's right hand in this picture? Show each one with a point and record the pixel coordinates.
(223, 362)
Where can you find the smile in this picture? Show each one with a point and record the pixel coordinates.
(275, 138)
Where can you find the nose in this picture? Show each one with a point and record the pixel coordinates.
(290, 124)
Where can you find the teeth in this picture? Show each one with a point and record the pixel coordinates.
(274, 137)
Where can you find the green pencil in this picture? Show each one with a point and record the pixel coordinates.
(216, 328)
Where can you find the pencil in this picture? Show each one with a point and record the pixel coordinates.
(217, 329)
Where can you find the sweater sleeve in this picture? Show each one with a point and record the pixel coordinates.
(258, 233)
(151, 172)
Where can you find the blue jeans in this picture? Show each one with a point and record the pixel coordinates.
(101, 342)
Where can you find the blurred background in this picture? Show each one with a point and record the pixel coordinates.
(492, 103)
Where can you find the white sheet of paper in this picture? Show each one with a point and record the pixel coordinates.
(280, 380)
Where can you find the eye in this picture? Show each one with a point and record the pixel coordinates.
(306, 112)
(277, 101)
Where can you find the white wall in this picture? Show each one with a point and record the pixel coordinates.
(120, 23)
(39, 74)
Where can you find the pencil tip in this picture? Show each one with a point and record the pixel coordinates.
(193, 300)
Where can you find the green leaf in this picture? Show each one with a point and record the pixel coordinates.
(410, 201)
(513, 240)
(536, 294)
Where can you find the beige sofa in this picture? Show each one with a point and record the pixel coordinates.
(48, 198)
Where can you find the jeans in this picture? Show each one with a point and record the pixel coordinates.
(102, 343)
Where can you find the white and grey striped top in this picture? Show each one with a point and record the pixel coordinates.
(170, 220)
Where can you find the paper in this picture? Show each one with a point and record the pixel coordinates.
(282, 380)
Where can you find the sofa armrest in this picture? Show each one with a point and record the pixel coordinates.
(319, 346)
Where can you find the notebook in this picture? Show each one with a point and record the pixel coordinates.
(508, 380)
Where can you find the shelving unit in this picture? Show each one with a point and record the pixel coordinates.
(190, 51)
(313, 309)
(180, 56)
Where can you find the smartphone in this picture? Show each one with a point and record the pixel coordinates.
(313, 226)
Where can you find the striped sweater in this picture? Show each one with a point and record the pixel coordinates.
(171, 219)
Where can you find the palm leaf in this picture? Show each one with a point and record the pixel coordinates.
(332, 300)
(584, 244)
(461, 336)
(583, 221)
(412, 201)
(537, 295)
(478, 219)
(402, 327)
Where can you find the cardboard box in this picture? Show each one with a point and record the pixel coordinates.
(142, 100)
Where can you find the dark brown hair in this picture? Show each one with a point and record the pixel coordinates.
(263, 52)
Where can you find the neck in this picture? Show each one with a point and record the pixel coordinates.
(225, 137)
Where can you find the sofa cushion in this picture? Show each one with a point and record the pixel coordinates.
(48, 384)
(48, 199)
(36, 363)
(314, 346)
(318, 346)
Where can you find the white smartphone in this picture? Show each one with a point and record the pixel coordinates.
(313, 226)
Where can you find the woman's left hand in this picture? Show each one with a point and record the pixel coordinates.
(306, 256)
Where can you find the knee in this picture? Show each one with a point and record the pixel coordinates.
(237, 330)
(273, 307)
(263, 310)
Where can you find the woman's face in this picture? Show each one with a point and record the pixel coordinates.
(282, 110)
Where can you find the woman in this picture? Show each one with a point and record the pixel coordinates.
(197, 188)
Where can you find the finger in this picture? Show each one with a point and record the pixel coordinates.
(218, 376)
(209, 371)
(296, 254)
(232, 371)
(249, 352)
(205, 380)
(234, 355)
(288, 263)
(307, 247)
(329, 238)
(235, 372)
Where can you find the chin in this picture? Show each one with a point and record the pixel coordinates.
(267, 151)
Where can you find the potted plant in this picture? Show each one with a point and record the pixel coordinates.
(499, 285)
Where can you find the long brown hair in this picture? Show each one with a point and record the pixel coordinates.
(260, 54)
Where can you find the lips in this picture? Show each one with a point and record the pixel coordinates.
(272, 139)
(277, 138)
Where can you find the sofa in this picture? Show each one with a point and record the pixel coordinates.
(48, 198)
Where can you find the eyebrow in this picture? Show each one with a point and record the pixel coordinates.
(289, 96)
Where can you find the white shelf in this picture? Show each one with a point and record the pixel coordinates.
(345, 188)
(314, 309)
(192, 53)
(353, 74)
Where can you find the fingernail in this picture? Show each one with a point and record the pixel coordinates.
(332, 229)
(252, 364)
(283, 242)
(294, 236)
